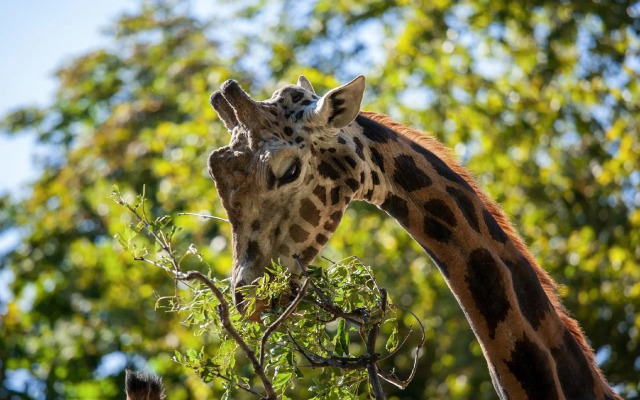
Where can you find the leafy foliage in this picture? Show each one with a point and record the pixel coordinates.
(540, 99)
(347, 286)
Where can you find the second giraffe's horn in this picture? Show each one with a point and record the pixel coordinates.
(245, 108)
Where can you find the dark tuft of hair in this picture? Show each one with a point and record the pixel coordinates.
(140, 386)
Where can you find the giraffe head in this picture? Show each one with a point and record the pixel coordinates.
(287, 174)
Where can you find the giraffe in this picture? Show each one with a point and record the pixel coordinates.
(139, 386)
(294, 163)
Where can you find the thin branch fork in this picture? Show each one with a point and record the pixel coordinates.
(391, 378)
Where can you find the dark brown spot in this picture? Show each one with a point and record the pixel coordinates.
(487, 288)
(255, 225)
(321, 239)
(308, 254)
(299, 115)
(296, 96)
(529, 364)
(440, 166)
(440, 210)
(321, 193)
(298, 234)
(283, 249)
(333, 222)
(359, 146)
(310, 212)
(369, 194)
(352, 183)
(377, 159)
(573, 370)
(299, 139)
(397, 208)
(350, 161)
(374, 131)
(335, 195)
(306, 102)
(338, 163)
(532, 299)
(288, 131)
(374, 178)
(493, 227)
(341, 140)
(361, 177)
(408, 176)
(436, 230)
(466, 207)
(326, 170)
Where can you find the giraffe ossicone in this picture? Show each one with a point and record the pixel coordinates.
(295, 162)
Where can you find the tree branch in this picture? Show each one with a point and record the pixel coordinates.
(223, 311)
(204, 216)
(290, 309)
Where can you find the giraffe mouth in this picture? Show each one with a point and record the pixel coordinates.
(263, 305)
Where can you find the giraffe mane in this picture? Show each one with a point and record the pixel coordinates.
(549, 286)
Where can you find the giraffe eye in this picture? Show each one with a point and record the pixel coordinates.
(292, 173)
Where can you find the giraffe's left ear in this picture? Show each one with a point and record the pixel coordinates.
(341, 105)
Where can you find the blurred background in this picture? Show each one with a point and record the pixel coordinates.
(539, 99)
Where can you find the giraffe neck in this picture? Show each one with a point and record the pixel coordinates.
(533, 349)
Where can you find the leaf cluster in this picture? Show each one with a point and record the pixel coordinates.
(299, 329)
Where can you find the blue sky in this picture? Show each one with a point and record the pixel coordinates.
(36, 38)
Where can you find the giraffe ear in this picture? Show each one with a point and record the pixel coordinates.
(341, 105)
(305, 84)
(224, 110)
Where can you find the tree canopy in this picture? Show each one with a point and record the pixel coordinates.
(539, 99)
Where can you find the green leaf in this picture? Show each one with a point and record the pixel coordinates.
(392, 342)
(341, 339)
(282, 378)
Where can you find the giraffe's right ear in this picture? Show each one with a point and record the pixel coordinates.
(341, 105)
(304, 83)
(224, 110)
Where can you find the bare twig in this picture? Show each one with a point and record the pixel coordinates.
(204, 216)
(402, 384)
(272, 328)
(399, 346)
(346, 363)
